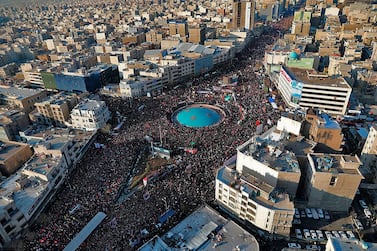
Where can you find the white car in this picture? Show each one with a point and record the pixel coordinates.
(342, 235)
(294, 245)
(328, 234)
(312, 247)
(358, 224)
(351, 235)
(297, 213)
(320, 235)
(335, 233)
(308, 212)
(298, 233)
(363, 204)
(320, 213)
(313, 234)
(367, 213)
(307, 234)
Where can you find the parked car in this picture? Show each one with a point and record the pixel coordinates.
(320, 235)
(313, 234)
(351, 235)
(314, 213)
(312, 247)
(363, 204)
(297, 213)
(298, 233)
(320, 213)
(327, 215)
(328, 234)
(307, 234)
(343, 235)
(303, 214)
(367, 213)
(308, 212)
(358, 224)
(335, 233)
(294, 245)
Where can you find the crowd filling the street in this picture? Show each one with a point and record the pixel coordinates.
(98, 180)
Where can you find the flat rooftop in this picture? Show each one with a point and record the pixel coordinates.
(17, 93)
(8, 149)
(271, 153)
(257, 189)
(336, 163)
(42, 164)
(204, 229)
(313, 77)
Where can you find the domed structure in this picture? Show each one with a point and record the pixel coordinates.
(198, 115)
(293, 56)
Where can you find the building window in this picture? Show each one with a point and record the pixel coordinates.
(333, 180)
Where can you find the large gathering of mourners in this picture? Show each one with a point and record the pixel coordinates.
(99, 176)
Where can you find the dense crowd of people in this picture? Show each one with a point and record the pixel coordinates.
(95, 184)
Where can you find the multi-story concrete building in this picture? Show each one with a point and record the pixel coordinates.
(331, 180)
(301, 88)
(179, 27)
(197, 227)
(90, 115)
(243, 16)
(55, 109)
(24, 194)
(260, 186)
(11, 122)
(12, 156)
(323, 129)
(369, 152)
(23, 98)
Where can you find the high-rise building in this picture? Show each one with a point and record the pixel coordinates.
(369, 152)
(243, 14)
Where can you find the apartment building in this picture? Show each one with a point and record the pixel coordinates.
(90, 115)
(308, 89)
(11, 122)
(12, 156)
(331, 180)
(259, 187)
(22, 98)
(24, 194)
(55, 110)
(369, 152)
(323, 129)
(243, 16)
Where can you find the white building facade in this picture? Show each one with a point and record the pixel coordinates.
(90, 115)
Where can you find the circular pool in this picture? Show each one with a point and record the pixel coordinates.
(198, 115)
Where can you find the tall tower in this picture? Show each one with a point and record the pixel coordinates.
(243, 14)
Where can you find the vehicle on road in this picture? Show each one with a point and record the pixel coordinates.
(320, 235)
(367, 213)
(351, 235)
(358, 224)
(308, 212)
(294, 245)
(314, 213)
(363, 204)
(327, 215)
(320, 213)
(313, 234)
(343, 235)
(336, 234)
(328, 234)
(297, 213)
(312, 247)
(298, 234)
(307, 234)
(303, 215)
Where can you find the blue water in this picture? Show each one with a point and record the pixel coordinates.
(198, 117)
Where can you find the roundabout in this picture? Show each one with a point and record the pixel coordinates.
(198, 115)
